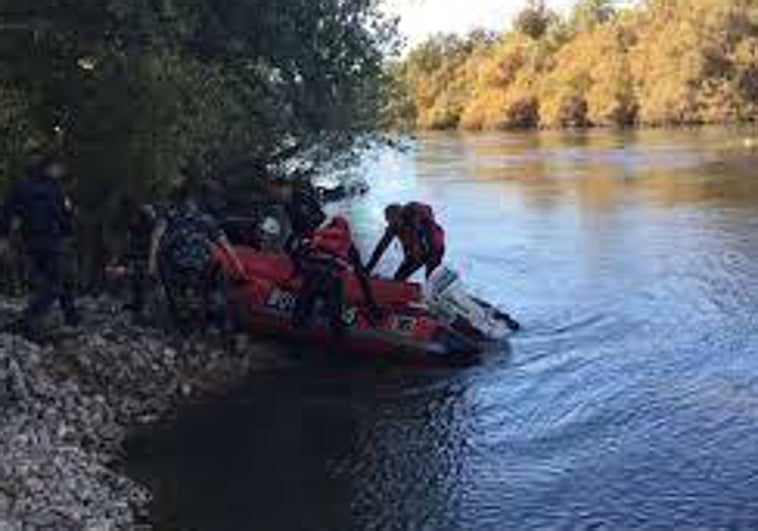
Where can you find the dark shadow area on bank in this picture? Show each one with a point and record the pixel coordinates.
(300, 448)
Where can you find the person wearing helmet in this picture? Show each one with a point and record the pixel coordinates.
(322, 260)
(421, 237)
(302, 209)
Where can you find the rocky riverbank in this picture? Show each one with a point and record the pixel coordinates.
(67, 408)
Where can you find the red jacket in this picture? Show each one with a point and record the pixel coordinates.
(334, 239)
(429, 236)
(422, 238)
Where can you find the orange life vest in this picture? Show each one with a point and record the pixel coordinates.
(334, 239)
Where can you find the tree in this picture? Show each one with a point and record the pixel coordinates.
(535, 19)
(659, 62)
(135, 93)
(296, 75)
(18, 134)
(588, 14)
(438, 77)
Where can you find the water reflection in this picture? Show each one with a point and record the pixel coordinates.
(314, 448)
(628, 402)
(601, 169)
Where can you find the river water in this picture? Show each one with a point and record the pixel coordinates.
(629, 401)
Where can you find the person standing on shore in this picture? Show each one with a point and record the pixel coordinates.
(135, 222)
(40, 204)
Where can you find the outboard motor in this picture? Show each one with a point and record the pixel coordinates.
(449, 299)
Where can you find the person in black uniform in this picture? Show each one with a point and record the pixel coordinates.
(137, 222)
(303, 208)
(40, 204)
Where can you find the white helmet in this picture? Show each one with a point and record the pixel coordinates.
(271, 227)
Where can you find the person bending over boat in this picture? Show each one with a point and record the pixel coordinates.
(321, 261)
(181, 252)
(421, 237)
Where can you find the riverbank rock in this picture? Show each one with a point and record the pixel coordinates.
(67, 408)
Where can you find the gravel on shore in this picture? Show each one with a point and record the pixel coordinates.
(67, 408)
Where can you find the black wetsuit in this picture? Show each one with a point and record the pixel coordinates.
(40, 203)
(139, 225)
(305, 214)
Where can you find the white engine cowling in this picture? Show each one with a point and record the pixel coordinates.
(447, 296)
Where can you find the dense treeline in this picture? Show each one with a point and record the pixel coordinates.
(136, 96)
(130, 92)
(657, 62)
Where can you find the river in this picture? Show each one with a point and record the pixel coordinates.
(629, 401)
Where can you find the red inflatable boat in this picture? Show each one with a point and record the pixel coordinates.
(264, 303)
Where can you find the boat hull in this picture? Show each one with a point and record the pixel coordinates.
(265, 301)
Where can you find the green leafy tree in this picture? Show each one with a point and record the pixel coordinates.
(296, 77)
(134, 93)
(535, 19)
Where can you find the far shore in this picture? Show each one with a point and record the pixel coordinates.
(736, 126)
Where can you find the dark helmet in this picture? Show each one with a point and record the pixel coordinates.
(416, 212)
(393, 212)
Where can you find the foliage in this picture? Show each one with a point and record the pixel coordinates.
(17, 132)
(588, 14)
(503, 95)
(142, 89)
(660, 62)
(439, 72)
(534, 20)
(138, 94)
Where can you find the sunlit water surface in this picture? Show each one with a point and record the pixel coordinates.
(630, 400)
